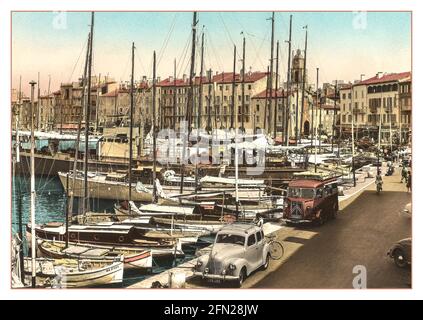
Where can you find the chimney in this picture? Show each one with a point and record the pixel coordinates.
(170, 79)
(158, 79)
(184, 77)
(144, 78)
(209, 75)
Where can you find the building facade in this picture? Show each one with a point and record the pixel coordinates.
(375, 102)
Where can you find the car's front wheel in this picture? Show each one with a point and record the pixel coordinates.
(242, 277)
(399, 258)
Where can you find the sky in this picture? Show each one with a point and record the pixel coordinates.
(343, 45)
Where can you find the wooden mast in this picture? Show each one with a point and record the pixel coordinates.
(275, 109)
(200, 107)
(190, 101)
(32, 204)
(243, 86)
(154, 130)
(131, 122)
(87, 118)
(78, 134)
(288, 94)
(233, 92)
(304, 83)
(270, 96)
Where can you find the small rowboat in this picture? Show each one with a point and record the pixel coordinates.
(134, 259)
(75, 273)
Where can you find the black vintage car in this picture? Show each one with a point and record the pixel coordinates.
(401, 252)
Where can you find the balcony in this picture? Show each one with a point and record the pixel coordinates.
(359, 110)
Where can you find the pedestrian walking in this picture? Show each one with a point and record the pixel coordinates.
(409, 183)
(404, 174)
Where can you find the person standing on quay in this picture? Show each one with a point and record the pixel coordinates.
(409, 183)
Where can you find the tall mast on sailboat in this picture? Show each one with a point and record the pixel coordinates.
(190, 101)
(154, 130)
(288, 85)
(32, 205)
(131, 120)
(200, 107)
(275, 109)
(78, 134)
(87, 117)
(304, 82)
(270, 96)
(243, 86)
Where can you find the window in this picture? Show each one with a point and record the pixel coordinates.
(258, 108)
(247, 98)
(344, 96)
(251, 240)
(230, 238)
(249, 87)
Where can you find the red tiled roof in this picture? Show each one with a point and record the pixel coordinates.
(224, 77)
(262, 95)
(227, 77)
(171, 82)
(143, 85)
(345, 86)
(386, 78)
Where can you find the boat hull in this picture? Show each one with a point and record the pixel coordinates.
(61, 277)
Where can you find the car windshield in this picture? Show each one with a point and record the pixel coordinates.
(307, 193)
(230, 238)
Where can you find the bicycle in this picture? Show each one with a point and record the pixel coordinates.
(276, 248)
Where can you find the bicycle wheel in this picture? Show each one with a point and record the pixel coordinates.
(276, 250)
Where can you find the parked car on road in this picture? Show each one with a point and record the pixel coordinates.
(238, 250)
(401, 252)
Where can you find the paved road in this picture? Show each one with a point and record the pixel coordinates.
(361, 235)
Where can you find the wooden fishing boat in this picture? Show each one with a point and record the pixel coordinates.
(134, 259)
(107, 234)
(195, 221)
(76, 273)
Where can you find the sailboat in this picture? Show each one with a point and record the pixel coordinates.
(66, 273)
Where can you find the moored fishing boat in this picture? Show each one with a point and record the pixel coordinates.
(134, 259)
(109, 235)
(75, 273)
